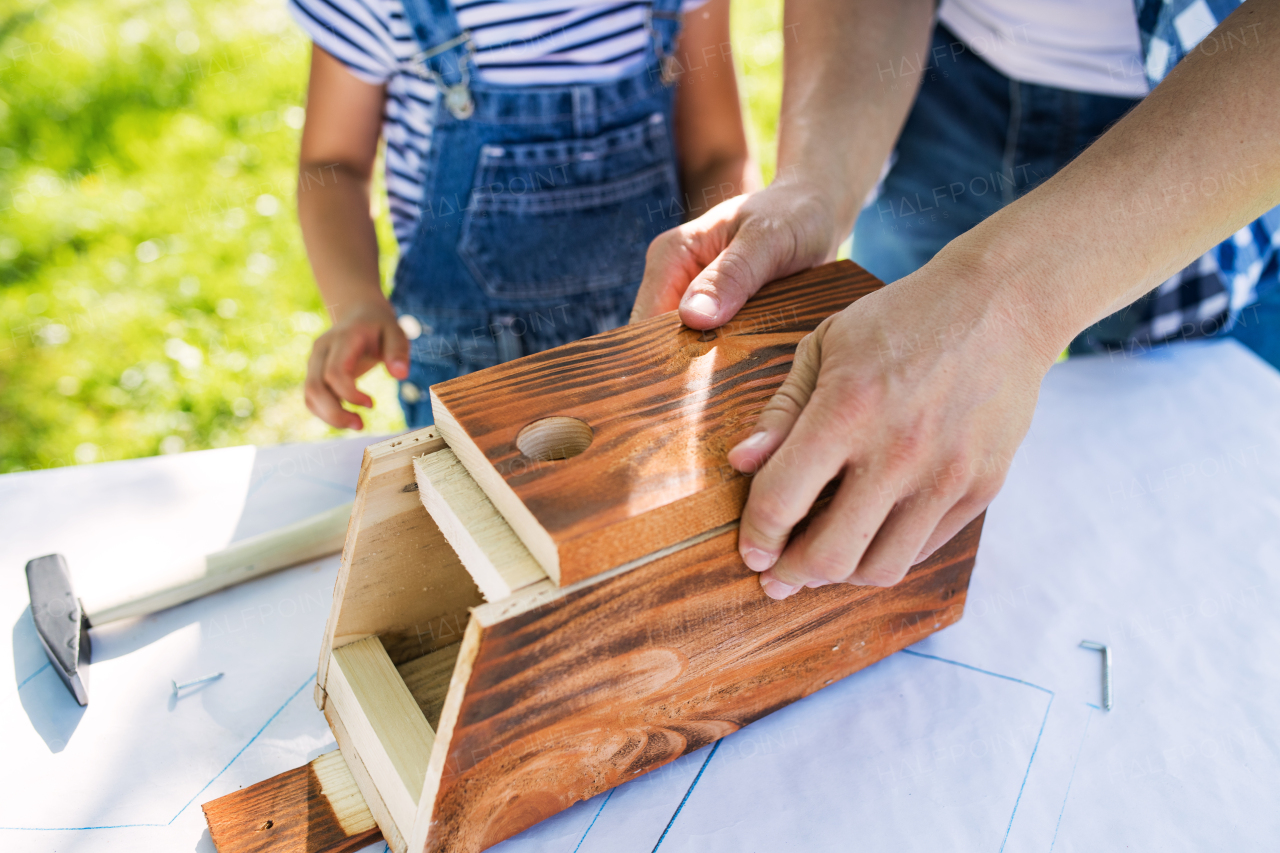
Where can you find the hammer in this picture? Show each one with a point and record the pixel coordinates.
(63, 621)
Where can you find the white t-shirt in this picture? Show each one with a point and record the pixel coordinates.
(1084, 45)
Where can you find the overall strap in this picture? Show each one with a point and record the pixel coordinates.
(445, 58)
(663, 21)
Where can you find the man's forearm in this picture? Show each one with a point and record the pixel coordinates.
(1193, 163)
(333, 210)
(851, 71)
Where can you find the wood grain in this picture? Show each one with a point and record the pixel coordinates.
(603, 683)
(662, 405)
(373, 800)
(399, 578)
(388, 730)
(315, 808)
(428, 679)
(488, 547)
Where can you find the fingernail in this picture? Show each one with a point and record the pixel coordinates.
(702, 304)
(816, 584)
(753, 442)
(758, 560)
(777, 590)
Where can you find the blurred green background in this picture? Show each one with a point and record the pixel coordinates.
(154, 293)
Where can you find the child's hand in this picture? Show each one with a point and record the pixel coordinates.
(360, 338)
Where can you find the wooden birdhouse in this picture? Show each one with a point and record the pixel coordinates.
(541, 597)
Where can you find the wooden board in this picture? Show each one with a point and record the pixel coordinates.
(399, 578)
(428, 678)
(657, 407)
(388, 730)
(495, 557)
(316, 808)
(390, 832)
(561, 697)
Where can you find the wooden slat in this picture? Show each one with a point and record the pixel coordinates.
(663, 404)
(316, 808)
(399, 578)
(488, 547)
(387, 728)
(596, 685)
(428, 678)
(373, 800)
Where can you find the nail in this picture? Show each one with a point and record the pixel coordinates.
(702, 304)
(1106, 668)
(177, 686)
(777, 590)
(758, 560)
(753, 442)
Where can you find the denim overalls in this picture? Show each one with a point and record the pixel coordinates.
(538, 205)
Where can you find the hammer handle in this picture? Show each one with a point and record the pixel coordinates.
(300, 542)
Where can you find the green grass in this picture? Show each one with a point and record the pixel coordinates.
(154, 293)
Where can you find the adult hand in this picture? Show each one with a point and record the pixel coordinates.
(917, 396)
(360, 338)
(710, 267)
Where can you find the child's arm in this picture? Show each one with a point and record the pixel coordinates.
(714, 161)
(339, 147)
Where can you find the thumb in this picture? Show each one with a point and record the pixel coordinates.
(780, 413)
(757, 254)
(395, 350)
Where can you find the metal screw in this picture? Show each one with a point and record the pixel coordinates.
(177, 686)
(1106, 669)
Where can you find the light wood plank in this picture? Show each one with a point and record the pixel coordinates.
(427, 823)
(660, 405)
(387, 728)
(390, 832)
(488, 547)
(399, 580)
(428, 679)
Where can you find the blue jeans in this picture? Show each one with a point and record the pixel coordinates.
(538, 206)
(975, 141)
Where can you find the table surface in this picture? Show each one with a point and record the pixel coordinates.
(1142, 511)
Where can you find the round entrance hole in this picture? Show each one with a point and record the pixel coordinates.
(557, 437)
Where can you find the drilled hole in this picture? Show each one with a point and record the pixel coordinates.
(553, 438)
(267, 825)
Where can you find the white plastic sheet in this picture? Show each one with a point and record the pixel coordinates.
(1143, 511)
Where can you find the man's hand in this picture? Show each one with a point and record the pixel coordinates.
(710, 267)
(360, 338)
(917, 396)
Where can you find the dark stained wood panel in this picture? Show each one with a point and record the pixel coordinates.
(311, 809)
(603, 684)
(664, 403)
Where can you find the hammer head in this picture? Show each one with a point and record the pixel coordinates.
(60, 622)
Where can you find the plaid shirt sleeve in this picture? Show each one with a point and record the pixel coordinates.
(1209, 294)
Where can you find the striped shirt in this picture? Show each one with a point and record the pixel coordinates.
(517, 43)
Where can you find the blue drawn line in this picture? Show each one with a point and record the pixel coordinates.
(1023, 786)
(977, 669)
(190, 801)
(1034, 749)
(594, 819)
(701, 769)
(279, 710)
(24, 681)
(1080, 749)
